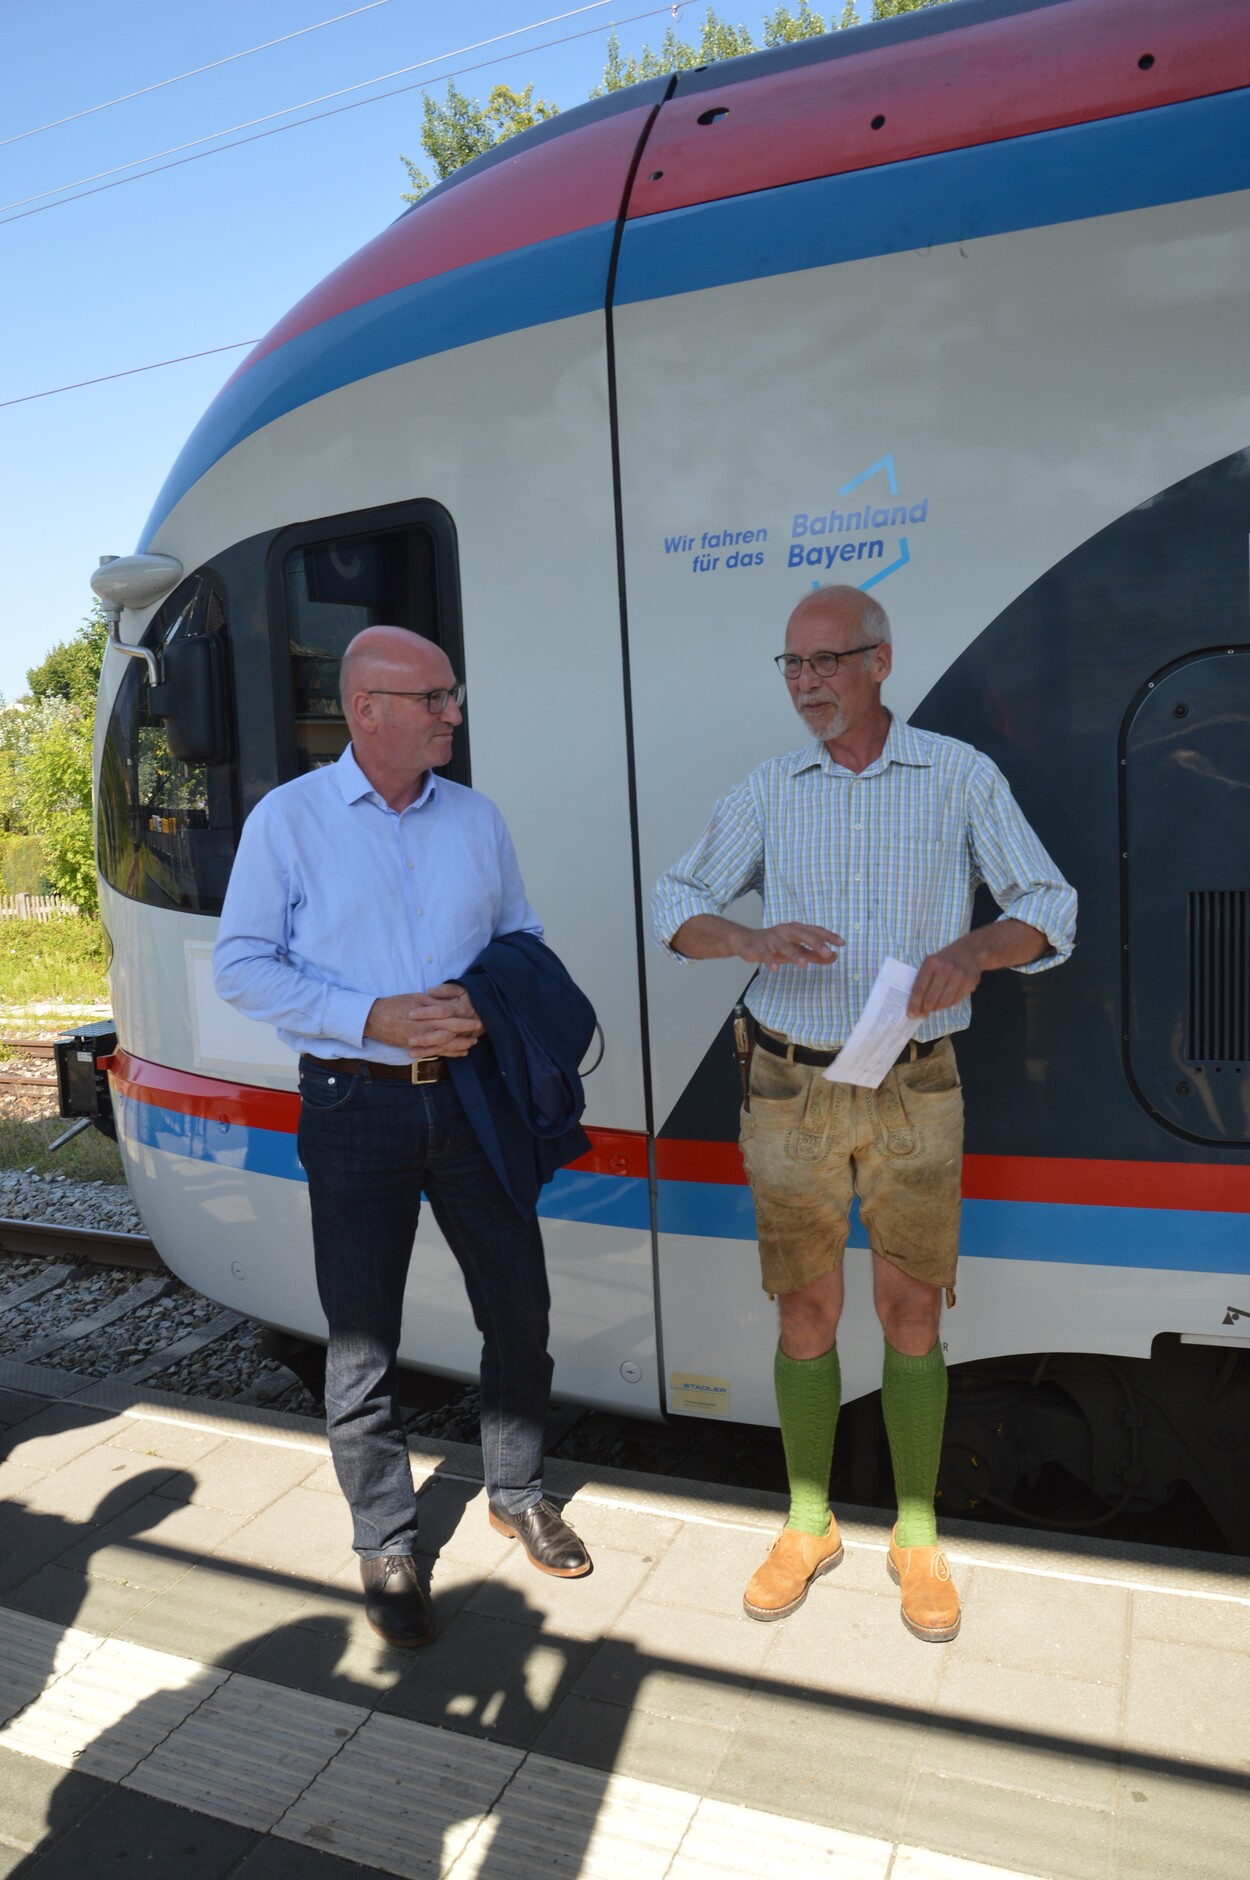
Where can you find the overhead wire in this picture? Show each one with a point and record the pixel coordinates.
(81, 185)
(154, 365)
(159, 84)
(238, 345)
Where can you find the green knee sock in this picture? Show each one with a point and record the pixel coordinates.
(913, 1402)
(809, 1395)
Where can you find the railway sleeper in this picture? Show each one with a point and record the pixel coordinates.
(135, 1296)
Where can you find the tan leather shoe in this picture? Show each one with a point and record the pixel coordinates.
(794, 1561)
(930, 1602)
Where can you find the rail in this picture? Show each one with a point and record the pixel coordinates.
(47, 1239)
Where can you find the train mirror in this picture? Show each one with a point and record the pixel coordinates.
(191, 698)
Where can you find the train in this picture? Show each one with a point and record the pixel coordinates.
(954, 308)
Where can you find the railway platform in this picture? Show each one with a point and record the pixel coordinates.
(188, 1687)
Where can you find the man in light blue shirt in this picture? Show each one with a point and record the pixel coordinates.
(868, 843)
(360, 891)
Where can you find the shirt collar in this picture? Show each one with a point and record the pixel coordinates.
(354, 784)
(903, 745)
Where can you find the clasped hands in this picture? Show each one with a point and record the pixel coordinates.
(438, 1023)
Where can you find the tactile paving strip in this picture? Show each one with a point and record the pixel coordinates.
(247, 1752)
(404, 1797)
(33, 1654)
(556, 1818)
(111, 1709)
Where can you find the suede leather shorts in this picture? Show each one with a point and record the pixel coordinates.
(810, 1145)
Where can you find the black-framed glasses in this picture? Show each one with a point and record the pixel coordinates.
(435, 702)
(824, 665)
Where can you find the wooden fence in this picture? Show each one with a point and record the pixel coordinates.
(35, 907)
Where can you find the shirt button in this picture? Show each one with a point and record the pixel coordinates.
(429, 959)
(856, 877)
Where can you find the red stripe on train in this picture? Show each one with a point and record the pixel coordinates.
(1202, 1187)
(573, 181)
(1067, 1181)
(1013, 77)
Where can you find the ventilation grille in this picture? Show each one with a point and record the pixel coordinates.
(1219, 975)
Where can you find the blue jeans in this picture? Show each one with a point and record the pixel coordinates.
(370, 1149)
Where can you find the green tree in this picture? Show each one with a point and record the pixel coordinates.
(717, 40)
(11, 733)
(460, 129)
(783, 27)
(50, 780)
(72, 669)
(890, 9)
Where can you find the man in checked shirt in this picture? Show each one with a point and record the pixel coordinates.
(884, 833)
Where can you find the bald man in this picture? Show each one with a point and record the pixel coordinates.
(867, 843)
(360, 891)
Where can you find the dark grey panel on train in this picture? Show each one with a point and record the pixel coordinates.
(1058, 690)
(1186, 811)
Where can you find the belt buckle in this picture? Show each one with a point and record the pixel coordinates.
(432, 1067)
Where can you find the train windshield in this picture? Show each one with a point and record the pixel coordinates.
(167, 830)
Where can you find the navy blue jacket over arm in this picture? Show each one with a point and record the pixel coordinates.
(519, 1087)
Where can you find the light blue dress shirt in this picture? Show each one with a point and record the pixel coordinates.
(336, 900)
(890, 859)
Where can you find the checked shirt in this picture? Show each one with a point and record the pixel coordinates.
(890, 859)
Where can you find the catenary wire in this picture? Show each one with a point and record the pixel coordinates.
(237, 345)
(154, 365)
(80, 183)
(159, 84)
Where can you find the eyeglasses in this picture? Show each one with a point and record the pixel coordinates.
(436, 701)
(824, 665)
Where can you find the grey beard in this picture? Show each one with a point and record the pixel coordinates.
(830, 727)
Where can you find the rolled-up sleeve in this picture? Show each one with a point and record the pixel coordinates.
(1011, 861)
(252, 967)
(726, 861)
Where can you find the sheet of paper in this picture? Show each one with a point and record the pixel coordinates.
(882, 1031)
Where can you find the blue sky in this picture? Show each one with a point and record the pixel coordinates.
(206, 253)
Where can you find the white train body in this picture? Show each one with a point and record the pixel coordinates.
(633, 384)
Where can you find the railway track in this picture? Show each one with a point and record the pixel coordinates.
(94, 1304)
(27, 1048)
(80, 1243)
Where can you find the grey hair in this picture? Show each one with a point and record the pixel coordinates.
(874, 622)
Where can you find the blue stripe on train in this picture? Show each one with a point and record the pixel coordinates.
(532, 286)
(1149, 157)
(1174, 1239)
(1175, 153)
(574, 1194)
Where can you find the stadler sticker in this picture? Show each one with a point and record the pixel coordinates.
(838, 539)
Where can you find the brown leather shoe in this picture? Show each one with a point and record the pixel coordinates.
(794, 1561)
(930, 1602)
(547, 1538)
(394, 1603)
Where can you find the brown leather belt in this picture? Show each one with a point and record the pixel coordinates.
(420, 1071)
(807, 1054)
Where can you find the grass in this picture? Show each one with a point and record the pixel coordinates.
(59, 961)
(90, 1157)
